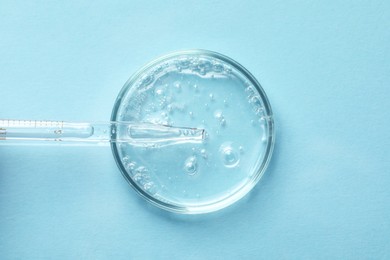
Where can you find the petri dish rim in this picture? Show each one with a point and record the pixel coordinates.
(238, 194)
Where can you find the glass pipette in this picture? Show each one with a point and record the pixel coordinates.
(100, 133)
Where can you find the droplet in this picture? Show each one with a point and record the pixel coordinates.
(229, 156)
(150, 188)
(146, 80)
(148, 185)
(159, 91)
(169, 108)
(137, 177)
(218, 67)
(218, 114)
(211, 96)
(191, 114)
(203, 153)
(177, 85)
(130, 166)
(191, 165)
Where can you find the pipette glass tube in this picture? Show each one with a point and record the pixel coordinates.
(29, 131)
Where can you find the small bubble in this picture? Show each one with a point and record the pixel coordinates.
(229, 157)
(146, 80)
(211, 96)
(130, 166)
(150, 188)
(159, 91)
(225, 103)
(203, 153)
(250, 91)
(191, 165)
(218, 114)
(169, 108)
(191, 114)
(218, 67)
(141, 169)
(148, 185)
(137, 177)
(241, 149)
(262, 121)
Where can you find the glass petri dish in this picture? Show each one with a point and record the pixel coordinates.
(203, 89)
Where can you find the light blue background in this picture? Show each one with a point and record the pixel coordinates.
(325, 67)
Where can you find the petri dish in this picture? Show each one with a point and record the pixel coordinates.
(202, 89)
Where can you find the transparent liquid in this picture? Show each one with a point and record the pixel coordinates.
(201, 92)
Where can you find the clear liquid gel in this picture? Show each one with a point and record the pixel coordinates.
(205, 93)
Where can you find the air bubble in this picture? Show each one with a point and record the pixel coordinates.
(191, 165)
(130, 166)
(147, 80)
(218, 67)
(159, 91)
(229, 156)
(137, 177)
(204, 153)
(148, 185)
(169, 108)
(218, 114)
(211, 96)
(177, 85)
